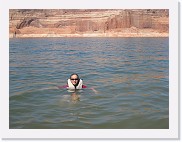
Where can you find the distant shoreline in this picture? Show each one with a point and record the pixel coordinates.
(91, 35)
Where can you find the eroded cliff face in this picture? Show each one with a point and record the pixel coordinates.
(95, 22)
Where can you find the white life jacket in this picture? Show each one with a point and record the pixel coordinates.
(72, 87)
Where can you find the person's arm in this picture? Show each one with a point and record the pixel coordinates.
(62, 87)
(95, 91)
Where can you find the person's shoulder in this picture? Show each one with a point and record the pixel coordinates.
(84, 86)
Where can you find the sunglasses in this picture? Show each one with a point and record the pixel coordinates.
(74, 78)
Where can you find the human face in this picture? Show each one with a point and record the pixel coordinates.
(74, 79)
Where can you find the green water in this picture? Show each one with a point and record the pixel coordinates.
(131, 76)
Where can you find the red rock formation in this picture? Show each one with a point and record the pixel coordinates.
(89, 21)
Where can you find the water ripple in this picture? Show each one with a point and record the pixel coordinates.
(131, 76)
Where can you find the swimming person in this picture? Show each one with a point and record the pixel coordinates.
(75, 83)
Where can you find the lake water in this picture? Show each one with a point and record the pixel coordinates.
(130, 75)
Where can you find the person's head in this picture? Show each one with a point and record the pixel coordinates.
(74, 79)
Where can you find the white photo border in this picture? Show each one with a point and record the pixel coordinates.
(171, 133)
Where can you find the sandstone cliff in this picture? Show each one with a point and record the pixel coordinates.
(88, 22)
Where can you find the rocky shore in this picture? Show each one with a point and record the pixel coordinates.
(152, 34)
(88, 23)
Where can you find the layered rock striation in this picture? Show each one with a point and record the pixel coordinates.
(88, 23)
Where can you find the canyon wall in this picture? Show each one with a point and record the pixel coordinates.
(88, 22)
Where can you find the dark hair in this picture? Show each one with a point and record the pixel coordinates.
(74, 74)
(77, 77)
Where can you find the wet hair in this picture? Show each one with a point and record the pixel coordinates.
(74, 74)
